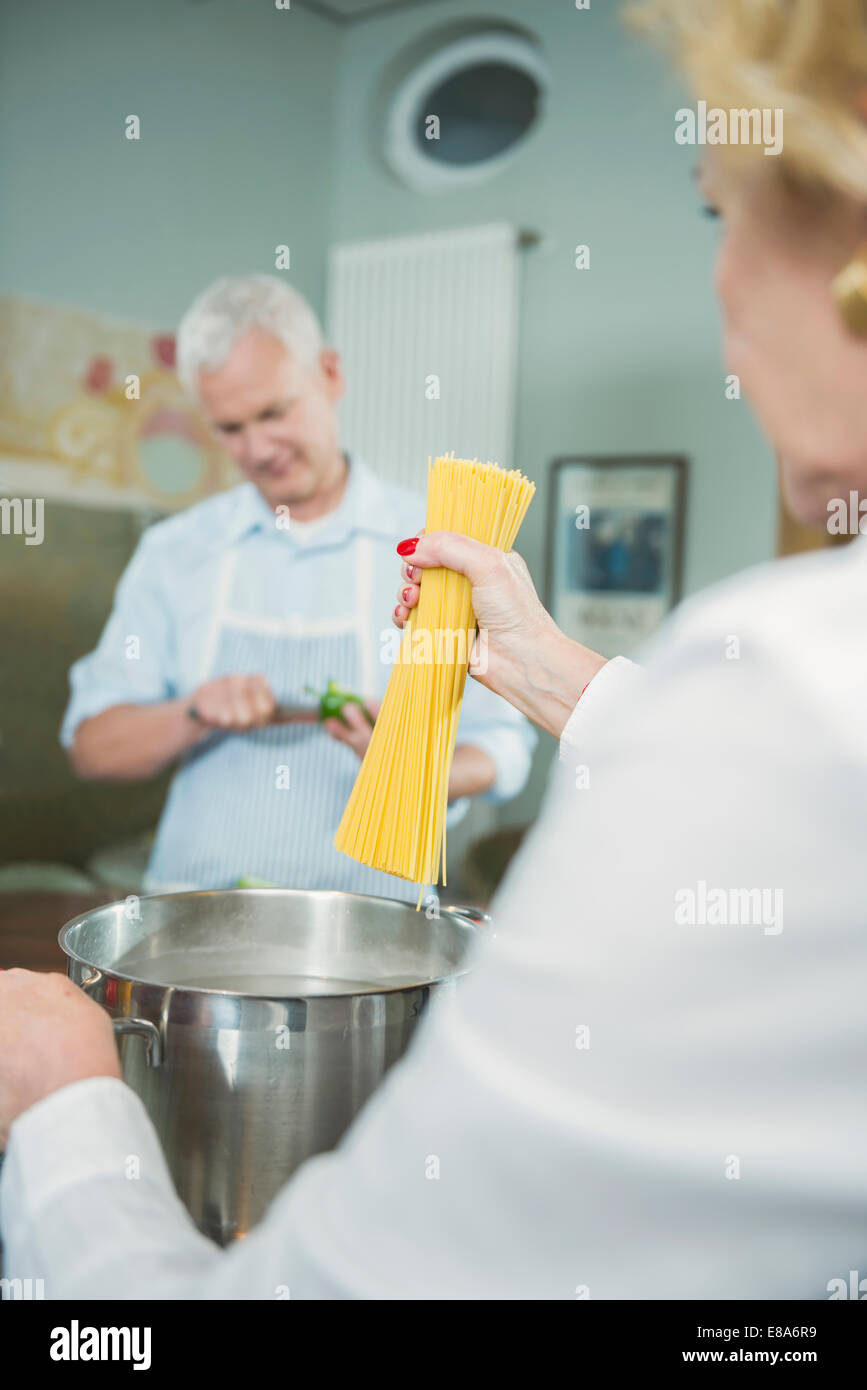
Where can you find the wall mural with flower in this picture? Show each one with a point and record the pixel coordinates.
(92, 412)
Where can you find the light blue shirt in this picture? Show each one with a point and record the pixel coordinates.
(227, 587)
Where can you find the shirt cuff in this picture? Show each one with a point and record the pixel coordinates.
(92, 1128)
(456, 810)
(615, 676)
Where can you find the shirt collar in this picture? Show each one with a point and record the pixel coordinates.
(367, 505)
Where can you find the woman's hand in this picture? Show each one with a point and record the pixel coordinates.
(519, 652)
(51, 1034)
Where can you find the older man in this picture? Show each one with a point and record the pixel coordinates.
(243, 603)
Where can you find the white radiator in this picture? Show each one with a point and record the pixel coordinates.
(427, 330)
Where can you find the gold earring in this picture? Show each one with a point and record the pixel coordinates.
(849, 288)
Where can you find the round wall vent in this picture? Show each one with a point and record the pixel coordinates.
(459, 116)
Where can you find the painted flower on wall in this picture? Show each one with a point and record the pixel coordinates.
(99, 374)
(100, 402)
(163, 348)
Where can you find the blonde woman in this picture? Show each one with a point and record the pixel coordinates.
(654, 1085)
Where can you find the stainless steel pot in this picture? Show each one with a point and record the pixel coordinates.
(255, 1023)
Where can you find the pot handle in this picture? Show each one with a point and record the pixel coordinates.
(474, 914)
(139, 1027)
(142, 1028)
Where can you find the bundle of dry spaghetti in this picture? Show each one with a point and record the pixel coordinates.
(395, 817)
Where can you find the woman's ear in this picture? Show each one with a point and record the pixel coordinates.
(849, 288)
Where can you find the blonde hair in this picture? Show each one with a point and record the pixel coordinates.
(807, 57)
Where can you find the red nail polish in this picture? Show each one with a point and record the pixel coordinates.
(404, 595)
(407, 547)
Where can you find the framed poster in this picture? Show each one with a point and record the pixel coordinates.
(615, 547)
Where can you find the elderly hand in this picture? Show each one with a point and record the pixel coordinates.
(520, 652)
(357, 730)
(234, 703)
(505, 601)
(51, 1034)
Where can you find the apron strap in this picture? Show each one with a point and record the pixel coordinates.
(364, 574)
(221, 604)
(359, 623)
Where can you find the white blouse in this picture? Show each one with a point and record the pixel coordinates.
(654, 1083)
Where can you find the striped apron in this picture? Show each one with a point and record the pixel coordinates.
(267, 803)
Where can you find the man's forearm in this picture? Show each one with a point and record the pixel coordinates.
(473, 772)
(129, 743)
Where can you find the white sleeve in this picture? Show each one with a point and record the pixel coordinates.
(135, 660)
(616, 677)
(652, 1085)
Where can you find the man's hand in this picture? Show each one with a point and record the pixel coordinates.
(51, 1034)
(128, 742)
(234, 703)
(357, 730)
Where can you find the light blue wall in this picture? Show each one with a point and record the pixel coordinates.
(624, 356)
(236, 102)
(256, 129)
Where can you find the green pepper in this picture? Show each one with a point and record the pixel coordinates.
(332, 700)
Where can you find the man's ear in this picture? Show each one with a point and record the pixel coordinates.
(332, 371)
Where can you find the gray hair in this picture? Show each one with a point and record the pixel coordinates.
(228, 308)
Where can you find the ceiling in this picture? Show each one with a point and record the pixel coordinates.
(350, 11)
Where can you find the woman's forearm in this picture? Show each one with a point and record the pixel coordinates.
(545, 679)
